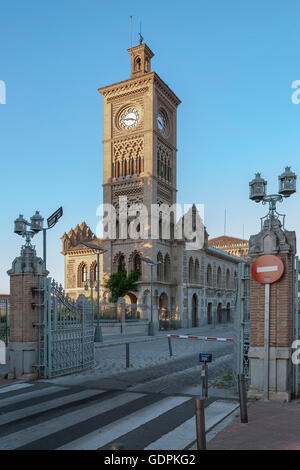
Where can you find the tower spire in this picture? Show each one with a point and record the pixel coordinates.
(141, 56)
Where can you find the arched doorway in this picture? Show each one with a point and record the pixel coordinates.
(219, 312)
(194, 311)
(228, 311)
(209, 313)
(131, 310)
(164, 313)
(130, 298)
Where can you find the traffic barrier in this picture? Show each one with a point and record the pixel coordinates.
(205, 338)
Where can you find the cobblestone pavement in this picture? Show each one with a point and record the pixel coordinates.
(150, 361)
(144, 354)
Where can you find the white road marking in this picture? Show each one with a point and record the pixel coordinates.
(48, 405)
(11, 388)
(184, 434)
(29, 395)
(38, 431)
(113, 431)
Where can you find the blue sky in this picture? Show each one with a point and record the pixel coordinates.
(231, 63)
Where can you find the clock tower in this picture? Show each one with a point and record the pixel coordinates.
(139, 152)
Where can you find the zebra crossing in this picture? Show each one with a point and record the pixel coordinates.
(47, 416)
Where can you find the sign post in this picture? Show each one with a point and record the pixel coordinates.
(205, 358)
(267, 269)
(51, 221)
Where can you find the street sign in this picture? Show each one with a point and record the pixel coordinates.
(205, 357)
(51, 221)
(267, 269)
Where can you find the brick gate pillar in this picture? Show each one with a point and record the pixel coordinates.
(23, 335)
(272, 239)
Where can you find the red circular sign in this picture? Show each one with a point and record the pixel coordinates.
(267, 269)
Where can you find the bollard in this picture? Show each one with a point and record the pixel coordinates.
(204, 376)
(127, 356)
(170, 346)
(243, 398)
(200, 425)
(117, 446)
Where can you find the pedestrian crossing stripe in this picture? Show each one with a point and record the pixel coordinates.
(11, 388)
(116, 429)
(90, 419)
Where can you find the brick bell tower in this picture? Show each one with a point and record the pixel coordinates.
(139, 151)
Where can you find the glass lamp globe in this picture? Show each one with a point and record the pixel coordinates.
(20, 225)
(287, 182)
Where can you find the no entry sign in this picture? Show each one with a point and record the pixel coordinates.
(267, 269)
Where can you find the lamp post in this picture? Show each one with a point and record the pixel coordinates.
(51, 221)
(98, 331)
(258, 188)
(152, 264)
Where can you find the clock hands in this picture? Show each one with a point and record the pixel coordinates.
(129, 119)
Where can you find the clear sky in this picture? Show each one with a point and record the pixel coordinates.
(232, 63)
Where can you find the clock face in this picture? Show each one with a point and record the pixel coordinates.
(129, 118)
(161, 122)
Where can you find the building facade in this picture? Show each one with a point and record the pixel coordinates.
(190, 286)
(232, 245)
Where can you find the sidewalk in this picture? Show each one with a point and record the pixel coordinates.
(271, 426)
(221, 330)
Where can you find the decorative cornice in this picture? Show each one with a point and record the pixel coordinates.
(161, 85)
(132, 85)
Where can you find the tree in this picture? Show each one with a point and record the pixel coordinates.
(120, 284)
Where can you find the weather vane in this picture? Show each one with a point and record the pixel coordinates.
(140, 33)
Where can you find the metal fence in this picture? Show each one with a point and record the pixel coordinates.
(168, 320)
(242, 323)
(109, 312)
(4, 319)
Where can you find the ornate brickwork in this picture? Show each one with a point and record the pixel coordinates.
(164, 162)
(126, 88)
(75, 236)
(164, 194)
(133, 190)
(128, 157)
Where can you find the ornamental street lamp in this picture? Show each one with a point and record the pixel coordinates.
(258, 188)
(152, 264)
(36, 225)
(98, 331)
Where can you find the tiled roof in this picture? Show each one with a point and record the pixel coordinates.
(227, 241)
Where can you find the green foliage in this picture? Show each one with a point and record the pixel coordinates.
(223, 381)
(120, 284)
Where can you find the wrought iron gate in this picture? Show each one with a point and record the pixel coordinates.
(296, 328)
(4, 319)
(66, 331)
(242, 322)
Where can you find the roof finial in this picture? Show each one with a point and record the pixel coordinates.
(130, 30)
